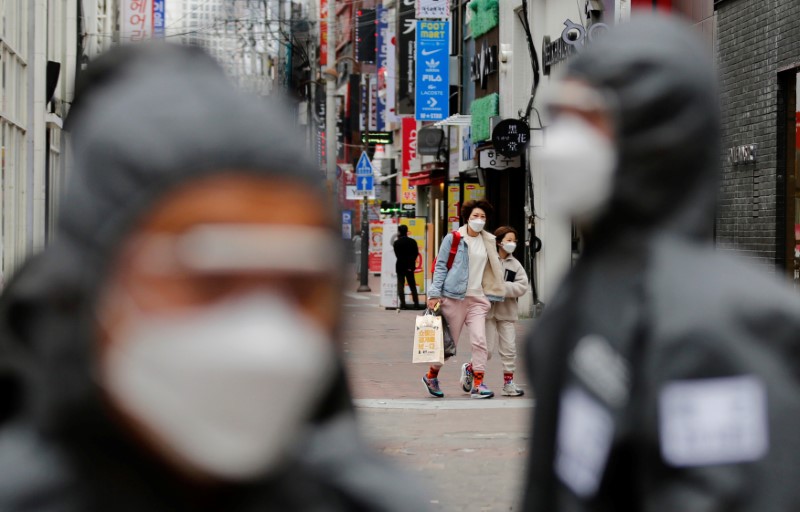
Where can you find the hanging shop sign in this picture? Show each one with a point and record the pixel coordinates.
(432, 102)
(366, 33)
(406, 41)
(483, 64)
(491, 159)
(433, 9)
(409, 131)
(383, 59)
(510, 137)
(572, 39)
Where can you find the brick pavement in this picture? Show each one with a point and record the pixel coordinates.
(471, 452)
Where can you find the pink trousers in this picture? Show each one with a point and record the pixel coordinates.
(471, 311)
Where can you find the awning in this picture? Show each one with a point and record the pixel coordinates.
(427, 177)
(455, 120)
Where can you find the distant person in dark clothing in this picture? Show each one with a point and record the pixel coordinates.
(406, 250)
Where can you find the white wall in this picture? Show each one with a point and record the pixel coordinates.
(547, 19)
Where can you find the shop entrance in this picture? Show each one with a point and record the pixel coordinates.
(788, 197)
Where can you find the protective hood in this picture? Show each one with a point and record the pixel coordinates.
(660, 83)
(147, 119)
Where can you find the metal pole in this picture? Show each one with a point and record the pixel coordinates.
(330, 102)
(364, 286)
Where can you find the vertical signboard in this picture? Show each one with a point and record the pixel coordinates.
(432, 101)
(453, 206)
(454, 139)
(408, 193)
(389, 298)
(375, 246)
(406, 37)
(323, 32)
(365, 35)
(409, 144)
(373, 104)
(158, 18)
(347, 224)
(467, 160)
(136, 20)
(391, 74)
(433, 9)
(382, 63)
(416, 230)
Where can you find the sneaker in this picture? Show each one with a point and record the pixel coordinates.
(466, 377)
(511, 389)
(481, 392)
(432, 385)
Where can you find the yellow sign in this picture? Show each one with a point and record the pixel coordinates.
(408, 193)
(416, 231)
(473, 191)
(453, 200)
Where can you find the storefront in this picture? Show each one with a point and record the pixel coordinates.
(757, 51)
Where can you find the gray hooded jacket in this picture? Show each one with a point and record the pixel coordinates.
(666, 373)
(149, 119)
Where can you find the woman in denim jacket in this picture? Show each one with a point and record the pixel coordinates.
(465, 292)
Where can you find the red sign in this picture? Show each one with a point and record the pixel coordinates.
(323, 33)
(409, 144)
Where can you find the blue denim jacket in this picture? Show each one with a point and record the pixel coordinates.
(453, 283)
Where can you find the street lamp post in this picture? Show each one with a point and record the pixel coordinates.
(330, 101)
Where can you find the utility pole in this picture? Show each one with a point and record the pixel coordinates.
(331, 152)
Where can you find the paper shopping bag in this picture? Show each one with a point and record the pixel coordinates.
(428, 340)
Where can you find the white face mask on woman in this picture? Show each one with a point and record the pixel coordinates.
(578, 162)
(476, 225)
(210, 382)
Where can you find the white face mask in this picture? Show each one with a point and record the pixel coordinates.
(211, 383)
(477, 225)
(509, 247)
(579, 164)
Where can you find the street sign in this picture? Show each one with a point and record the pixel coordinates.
(364, 166)
(364, 183)
(432, 71)
(352, 195)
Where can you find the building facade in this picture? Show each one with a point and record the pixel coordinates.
(759, 58)
(39, 55)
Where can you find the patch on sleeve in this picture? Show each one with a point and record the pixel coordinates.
(713, 421)
(585, 431)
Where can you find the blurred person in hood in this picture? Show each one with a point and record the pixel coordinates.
(176, 347)
(666, 373)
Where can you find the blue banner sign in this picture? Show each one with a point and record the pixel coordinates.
(158, 18)
(432, 86)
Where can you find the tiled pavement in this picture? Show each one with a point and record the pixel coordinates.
(471, 452)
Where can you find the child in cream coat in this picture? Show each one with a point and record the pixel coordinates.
(500, 328)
